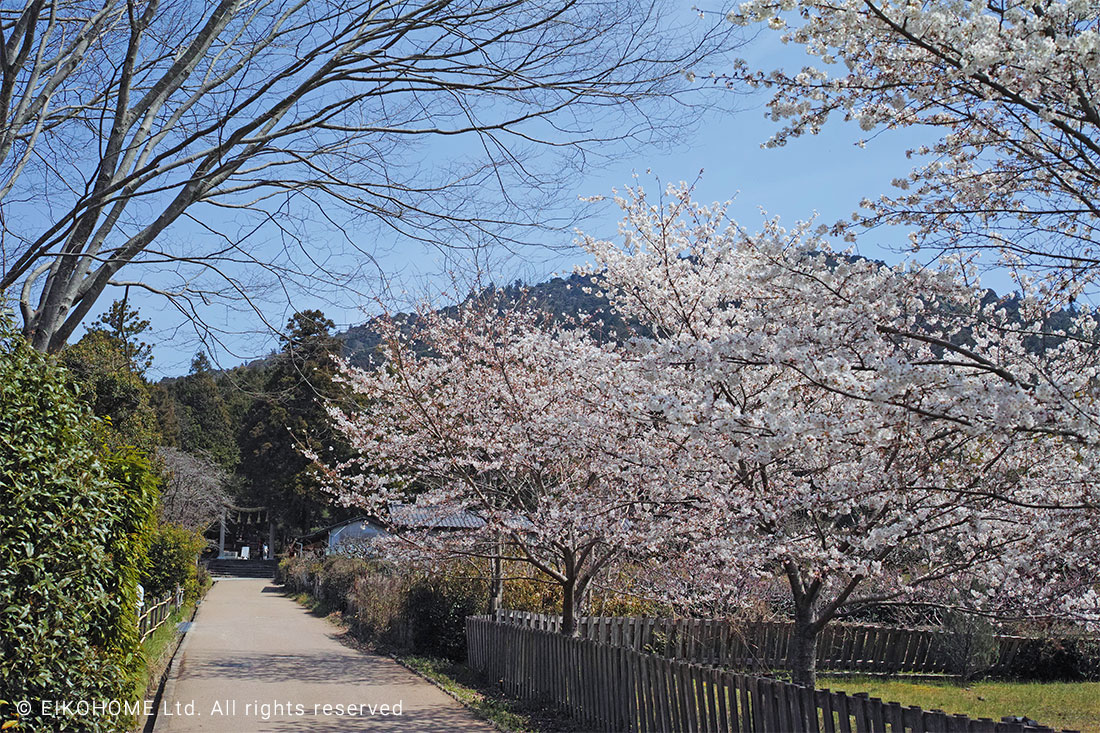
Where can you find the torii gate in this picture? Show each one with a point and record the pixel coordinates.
(250, 515)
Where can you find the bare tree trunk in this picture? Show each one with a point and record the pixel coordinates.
(803, 653)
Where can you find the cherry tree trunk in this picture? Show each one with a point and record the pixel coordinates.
(496, 588)
(496, 582)
(569, 607)
(803, 652)
(804, 658)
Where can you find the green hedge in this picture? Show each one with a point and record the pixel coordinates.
(73, 534)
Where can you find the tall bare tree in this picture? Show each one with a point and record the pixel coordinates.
(138, 132)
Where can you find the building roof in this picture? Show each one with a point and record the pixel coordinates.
(409, 516)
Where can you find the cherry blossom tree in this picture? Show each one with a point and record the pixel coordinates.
(530, 426)
(1010, 86)
(861, 431)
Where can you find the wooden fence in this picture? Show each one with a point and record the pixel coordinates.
(613, 688)
(157, 614)
(760, 646)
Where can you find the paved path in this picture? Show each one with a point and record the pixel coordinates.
(257, 661)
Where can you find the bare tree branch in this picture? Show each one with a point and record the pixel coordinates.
(124, 121)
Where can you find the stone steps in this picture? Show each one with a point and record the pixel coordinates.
(242, 568)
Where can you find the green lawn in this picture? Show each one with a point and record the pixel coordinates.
(1059, 705)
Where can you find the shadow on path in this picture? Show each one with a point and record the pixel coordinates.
(254, 649)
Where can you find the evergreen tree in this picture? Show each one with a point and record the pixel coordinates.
(290, 417)
(114, 390)
(108, 364)
(241, 387)
(163, 399)
(204, 423)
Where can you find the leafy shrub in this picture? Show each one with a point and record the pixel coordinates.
(337, 574)
(378, 601)
(530, 594)
(329, 580)
(970, 644)
(394, 606)
(173, 551)
(298, 573)
(202, 579)
(72, 543)
(1066, 659)
(436, 608)
(616, 591)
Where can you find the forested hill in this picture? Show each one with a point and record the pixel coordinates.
(567, 298)
(562, 297)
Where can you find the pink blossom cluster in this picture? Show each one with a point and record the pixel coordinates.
(864, 433)
(533, 427)
(862, 430)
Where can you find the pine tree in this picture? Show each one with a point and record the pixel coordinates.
(109, 363)
(123, 323)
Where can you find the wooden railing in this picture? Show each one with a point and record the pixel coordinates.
(614, 688)
(157, 613)
(762, 646)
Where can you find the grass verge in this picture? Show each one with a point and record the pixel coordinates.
(159, 648)
(506, 714)
(1059, 705)
(162, 641)
(318, 607)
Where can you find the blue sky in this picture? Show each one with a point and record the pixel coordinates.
(826, 174)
